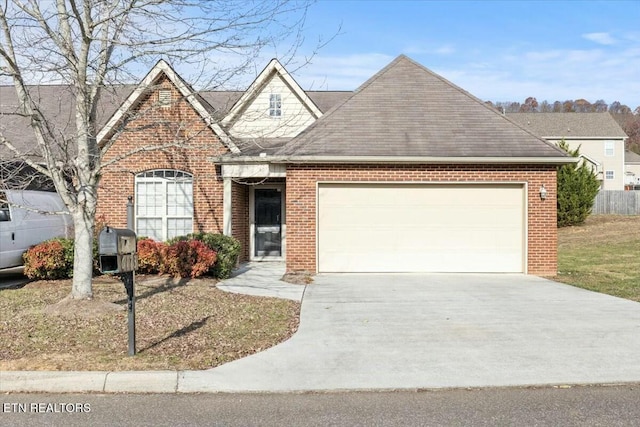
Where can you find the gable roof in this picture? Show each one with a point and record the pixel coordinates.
(57, 103)
(631, 158)
(570, 125)
(163, 68)
(222, 101)
(590, 160)
(325, 100)
(407, 111)
(273, 68)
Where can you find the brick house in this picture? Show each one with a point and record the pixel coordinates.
(408, 173)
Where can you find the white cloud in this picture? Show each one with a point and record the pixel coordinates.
(554, 75)
(512, 75)
(445, 50)
(542, 56)
(340, 72)
(427, 49)
(600, 38)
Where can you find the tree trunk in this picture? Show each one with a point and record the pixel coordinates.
(83, 255)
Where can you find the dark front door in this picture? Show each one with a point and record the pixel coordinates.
(268, 222)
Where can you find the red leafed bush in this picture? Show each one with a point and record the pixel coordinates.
(49, 260)
(187, 258)
(150, 256)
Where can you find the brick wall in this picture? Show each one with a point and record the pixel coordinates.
(240, 217)
(155, 126)
(301, 203)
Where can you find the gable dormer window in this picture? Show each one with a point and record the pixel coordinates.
(275, 105)
(164, 98)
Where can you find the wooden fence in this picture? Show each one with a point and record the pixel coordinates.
(617, 202)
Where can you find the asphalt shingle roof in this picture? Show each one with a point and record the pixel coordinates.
(325, 100)
(222, 101)
(570, 125)
(631, 157)
(57, 103)
(407, 110)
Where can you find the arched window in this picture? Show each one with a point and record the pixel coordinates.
(164, 204)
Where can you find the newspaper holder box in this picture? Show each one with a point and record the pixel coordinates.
(117, 250)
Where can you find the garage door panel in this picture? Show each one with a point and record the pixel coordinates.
(404, 228)
(451, 262)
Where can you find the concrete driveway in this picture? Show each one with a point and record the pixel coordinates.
(381, 331)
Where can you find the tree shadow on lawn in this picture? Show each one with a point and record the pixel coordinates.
(156, 286)
(13, 287)
(194, 326)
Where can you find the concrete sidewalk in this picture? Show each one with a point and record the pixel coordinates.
(259, 279)
(411, 331)
(262, 279)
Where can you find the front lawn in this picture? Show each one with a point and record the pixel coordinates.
(179, 325)
(602, 255)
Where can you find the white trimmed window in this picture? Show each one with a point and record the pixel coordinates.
(164, 204)
(609, 175)
(609, 149)
(275, 105)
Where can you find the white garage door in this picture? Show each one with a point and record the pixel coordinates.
(421, 228)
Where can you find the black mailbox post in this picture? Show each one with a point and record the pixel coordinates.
(117, 252)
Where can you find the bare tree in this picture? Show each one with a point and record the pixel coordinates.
(545, 107)
(91, 46)
(530, 105)
(618, 108)
(568, 106)
(583, 106)
(508, 107)
(600, 106)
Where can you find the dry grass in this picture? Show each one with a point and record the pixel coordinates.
(179, 325)
(193, 325)
(602, 255)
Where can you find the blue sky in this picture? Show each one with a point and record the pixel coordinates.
(496, 50)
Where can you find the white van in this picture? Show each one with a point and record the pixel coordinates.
(22, 227)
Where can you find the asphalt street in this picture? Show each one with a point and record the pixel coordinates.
(577, 406)
(12, 277)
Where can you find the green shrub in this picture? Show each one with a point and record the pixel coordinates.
(226, 247)
(49, 260)
(578, 187)
(187, 258)
(150, 256)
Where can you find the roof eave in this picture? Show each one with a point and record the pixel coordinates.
(152, 76)
(585, 137)
(394, 160)
(274, 67)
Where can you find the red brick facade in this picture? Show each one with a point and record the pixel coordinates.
(240, 217)
(196, 143)
(157, 126)
(301, 203)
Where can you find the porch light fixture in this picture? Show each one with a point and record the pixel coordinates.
(543, 192)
